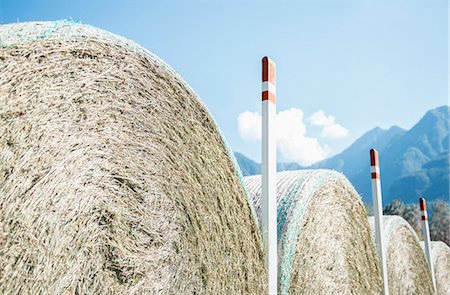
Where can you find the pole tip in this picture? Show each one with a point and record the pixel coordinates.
(423, 204)
(268, 70)
(374, 158)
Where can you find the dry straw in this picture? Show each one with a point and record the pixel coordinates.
(408, 271)
(114, 178)
(324, 239)
(440, 256)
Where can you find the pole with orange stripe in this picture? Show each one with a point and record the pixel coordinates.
(426, 237)
(268, 173)
(378, 214)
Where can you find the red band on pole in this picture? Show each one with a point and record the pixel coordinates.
(267, 95)
(268, 79)
(424, 217)
(375, 175)
(268, 70)
(374, 158)
(423, 205)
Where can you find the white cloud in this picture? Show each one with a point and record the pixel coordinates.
(292, 141)
(320, 119)
(330, 129)
(249, 125)
(334, 131)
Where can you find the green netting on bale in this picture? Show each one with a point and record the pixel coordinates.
(324, 239)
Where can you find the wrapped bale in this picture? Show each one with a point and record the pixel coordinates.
(408, 271)
(2, 238)
(324, 239)
(114, 178)
(440, 256)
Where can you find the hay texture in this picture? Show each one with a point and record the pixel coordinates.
(440, 259)
(114, 178)
(408, 271)
(324, 239)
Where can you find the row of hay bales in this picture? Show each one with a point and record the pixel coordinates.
(114, 179)
(326, 241)
(408, 271)
(324, 238)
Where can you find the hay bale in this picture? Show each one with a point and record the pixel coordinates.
(324, 239)
(440, 259)
(440, 256)
(408, 271)
(114, 178)
(2, 235)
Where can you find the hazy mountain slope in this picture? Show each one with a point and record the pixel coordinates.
(413, 163)
(423, 143)
(353, 159)
(432, 181)
(248, 166)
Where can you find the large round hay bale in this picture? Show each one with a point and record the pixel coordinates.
(440, 259)
(408, 271)
(114, 178)
(324, 239)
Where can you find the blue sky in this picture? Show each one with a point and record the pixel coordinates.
(366, 63)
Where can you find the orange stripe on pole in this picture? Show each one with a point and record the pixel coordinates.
(378, 215)
(374, 158)
(426, 238)
(423, 204)
(423, 208)
(267, 95)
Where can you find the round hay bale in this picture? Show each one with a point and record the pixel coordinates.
(114, 178)
(2, 235)
(407, 266)
(440, 257)
(324, 239)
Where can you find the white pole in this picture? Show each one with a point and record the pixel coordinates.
(378, 214)
(268, 172)
(426, 238)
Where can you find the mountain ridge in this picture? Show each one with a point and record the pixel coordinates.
(413, 162)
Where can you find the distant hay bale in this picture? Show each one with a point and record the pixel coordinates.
(440, 256)
(324, 239)
(114, 178)
(407, 266)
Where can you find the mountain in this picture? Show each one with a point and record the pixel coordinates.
(413, 163)
(432, 180)
(426, 141)
(289, 166)
(250, 167)
(353, 160)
